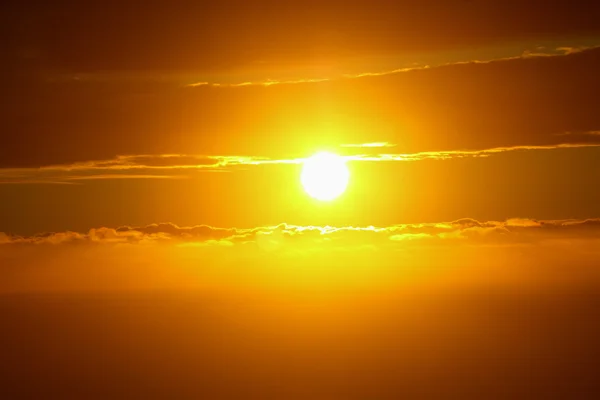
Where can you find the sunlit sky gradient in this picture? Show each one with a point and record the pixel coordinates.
(98, 109)
(157, 148)
(91, 134)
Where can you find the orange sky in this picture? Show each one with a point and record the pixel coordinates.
(483, 140)
(94, 111)
(155, 238)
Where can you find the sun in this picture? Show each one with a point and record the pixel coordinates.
(325, 176)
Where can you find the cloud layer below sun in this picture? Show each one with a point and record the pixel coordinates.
(281, 237)
(166, 256)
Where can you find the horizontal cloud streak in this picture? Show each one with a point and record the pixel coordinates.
(267, 82)
(374, 144)
(312, 257)
(511, 232)
(448, 155)
(123, 176)
(537, 53)
(173, 166)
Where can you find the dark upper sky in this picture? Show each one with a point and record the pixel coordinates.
(215, 36)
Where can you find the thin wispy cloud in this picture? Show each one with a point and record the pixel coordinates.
(178, 166)
(579, 133)
(453, 154)
(268, 82)
(536, 53)
(158, 162)
(123, 176)
(374, 144)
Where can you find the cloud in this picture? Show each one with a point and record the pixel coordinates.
(373, 144)
(335, 74)
(166, 256)
(583, 133)
(438, 301)
(121, 176)
(526, 54)
(462, 106)
(266, 83)
(514, 230)
(158, 166)
(158, 161)
(453, 154)
(178, 166)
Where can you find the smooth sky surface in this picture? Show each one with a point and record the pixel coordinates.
(155, 237)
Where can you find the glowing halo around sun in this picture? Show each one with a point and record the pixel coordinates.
(325, 176)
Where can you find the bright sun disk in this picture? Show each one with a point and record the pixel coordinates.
(325, 176)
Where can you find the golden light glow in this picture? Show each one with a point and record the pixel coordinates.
(325, 176)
